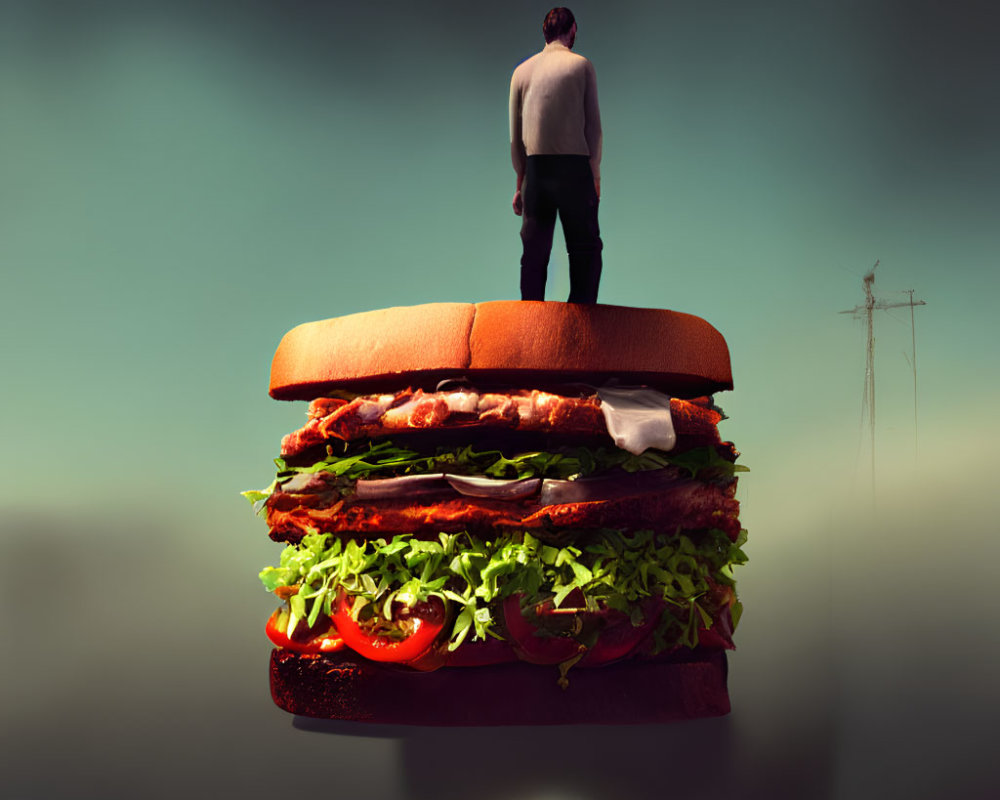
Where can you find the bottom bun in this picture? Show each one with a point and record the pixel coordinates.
(346, 687)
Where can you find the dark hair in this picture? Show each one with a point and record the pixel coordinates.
(558, 22)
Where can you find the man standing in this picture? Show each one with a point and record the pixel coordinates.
(555, 145)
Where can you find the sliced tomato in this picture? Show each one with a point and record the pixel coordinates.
(408, 638)
(561, 634)
(321, 638)
(533, 644)
(619, 636)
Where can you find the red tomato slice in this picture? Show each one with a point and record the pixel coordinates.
(619, 637)
(413, 633)
(530, 644)
(318, 639)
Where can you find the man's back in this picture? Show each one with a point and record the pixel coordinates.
(554, 99)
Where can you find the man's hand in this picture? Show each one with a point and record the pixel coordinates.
(597, 187)
(518, 203)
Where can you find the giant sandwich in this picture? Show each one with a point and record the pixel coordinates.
(503, 513)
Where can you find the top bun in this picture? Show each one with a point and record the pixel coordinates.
(529, 344)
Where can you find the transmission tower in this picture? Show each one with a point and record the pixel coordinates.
(868, 398)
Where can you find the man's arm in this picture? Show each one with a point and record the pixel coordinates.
(518, 203)
(592, 125)
(518, 154)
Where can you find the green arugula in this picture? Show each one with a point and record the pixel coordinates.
(608, 567)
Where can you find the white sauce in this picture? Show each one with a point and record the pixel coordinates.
(638, 418)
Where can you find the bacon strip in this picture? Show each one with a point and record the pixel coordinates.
(689, 505)
(371, 416)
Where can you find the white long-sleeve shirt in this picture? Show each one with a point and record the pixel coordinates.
(553, 107)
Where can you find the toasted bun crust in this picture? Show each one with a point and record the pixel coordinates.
(370, 346)
(344, 687)
(525, 343)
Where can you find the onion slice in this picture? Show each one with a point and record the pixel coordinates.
(475, 486)
(403, 486)
(306, 483)
(607, 487)
(551, 491)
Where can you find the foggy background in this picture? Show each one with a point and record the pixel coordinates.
(181, 183)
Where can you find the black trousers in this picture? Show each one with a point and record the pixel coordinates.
(563, 184)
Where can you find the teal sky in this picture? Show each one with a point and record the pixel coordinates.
(182, 183)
